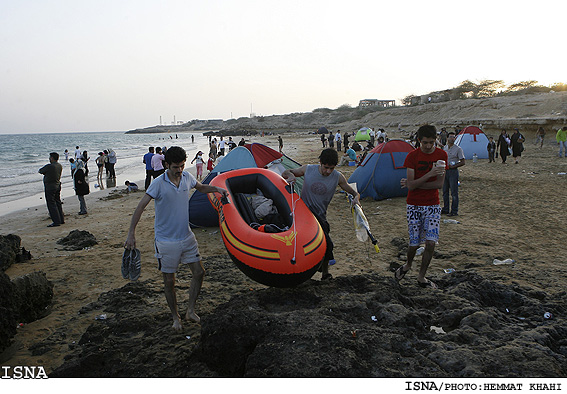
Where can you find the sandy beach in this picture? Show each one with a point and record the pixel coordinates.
(506, 211)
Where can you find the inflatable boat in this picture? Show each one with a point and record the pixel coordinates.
(268, 231)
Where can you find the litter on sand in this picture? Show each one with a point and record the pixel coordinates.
(501, 262)
(438, 330)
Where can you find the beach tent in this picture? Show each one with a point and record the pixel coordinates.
(363, 134)
(202, 213)
(473, 140)
(322, 130)
(380, 173)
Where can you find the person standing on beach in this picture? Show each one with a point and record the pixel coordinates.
(221, 146)
(338, 140)
(111, 163)
(319, 185)
(280, 142)
(517, 142)
(157, 163)
(52, 185)
(66, 155)
(503, 144)
(456, 159)
(345, 141)
(85, 158)
(425, 176)
(175, 243)
(100, 164)
(210, 163)
(81, 190)
(331, 140)
(147, 160)
(213, 150)
(199, 165)
(324, 140)
(78, 153)
(561, 138)
(491, 148)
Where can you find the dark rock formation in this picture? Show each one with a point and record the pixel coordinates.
(9, 250)
(77, 240)
(352, 326)
(22, 300)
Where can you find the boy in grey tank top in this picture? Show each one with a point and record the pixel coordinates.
(319, 185)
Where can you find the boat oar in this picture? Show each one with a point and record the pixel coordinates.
(361, 223)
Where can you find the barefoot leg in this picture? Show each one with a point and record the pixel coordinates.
(194, 289)
(170, 296)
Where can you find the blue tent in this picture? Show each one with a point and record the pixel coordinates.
(473, 140)
(380, 173)
(201, 212)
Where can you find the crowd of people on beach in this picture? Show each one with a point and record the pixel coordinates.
(79, 172)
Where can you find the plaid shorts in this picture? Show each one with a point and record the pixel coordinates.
(423, 223)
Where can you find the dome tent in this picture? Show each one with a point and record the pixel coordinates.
(473, 140)
(202, 213)
(380, 173)
(363, 134)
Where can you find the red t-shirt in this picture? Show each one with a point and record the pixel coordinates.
(422, 163)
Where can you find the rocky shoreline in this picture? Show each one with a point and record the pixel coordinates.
(527, 112)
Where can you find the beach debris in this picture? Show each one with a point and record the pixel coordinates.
(353, 333)
(548, 315)
(373, 318)
(438, 330)
(562, 173)
(449, 270)
(419, 251)
(188, 337)
(501, 262)
(77, 240)
(452, 221)
(101, 317)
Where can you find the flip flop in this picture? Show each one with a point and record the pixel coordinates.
(427, 283)
(400, 273)
(125, 264)
(131, 264)
(135, 265)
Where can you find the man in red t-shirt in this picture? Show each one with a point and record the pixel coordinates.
(425, 176)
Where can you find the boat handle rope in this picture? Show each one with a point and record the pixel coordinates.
(293, 201)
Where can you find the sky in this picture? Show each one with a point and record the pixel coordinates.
(107, 65)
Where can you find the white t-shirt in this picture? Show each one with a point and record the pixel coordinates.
(171, 207)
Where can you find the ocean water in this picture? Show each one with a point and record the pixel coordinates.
(21, 186)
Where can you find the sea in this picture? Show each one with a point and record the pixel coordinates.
(21, 186)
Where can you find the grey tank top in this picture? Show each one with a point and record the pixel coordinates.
(318, 190)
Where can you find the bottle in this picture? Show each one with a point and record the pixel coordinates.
(452, 221)
(474, 158)
(500, 262)
(419, 251)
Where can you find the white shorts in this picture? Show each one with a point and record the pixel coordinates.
(423, 223)
(171, 254)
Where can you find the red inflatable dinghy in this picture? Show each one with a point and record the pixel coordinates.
(284, 248)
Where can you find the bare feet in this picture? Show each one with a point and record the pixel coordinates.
(191, 315)
(177, 323)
